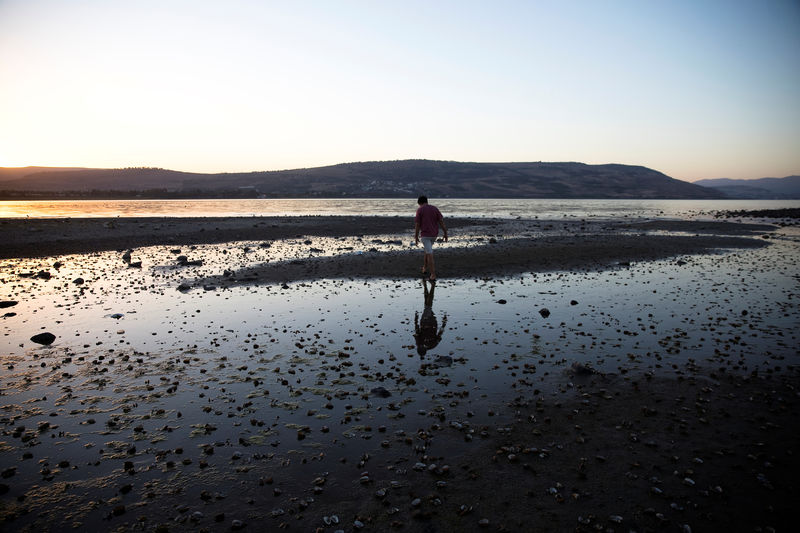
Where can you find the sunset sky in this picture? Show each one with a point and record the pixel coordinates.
(695, 89)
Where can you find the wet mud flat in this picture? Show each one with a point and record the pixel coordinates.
(626, 392)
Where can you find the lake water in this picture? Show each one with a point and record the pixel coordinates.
(155, 406)
(495, 208)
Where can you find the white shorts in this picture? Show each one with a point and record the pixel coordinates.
(427, 243)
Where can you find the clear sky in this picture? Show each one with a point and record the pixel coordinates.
(695, 89)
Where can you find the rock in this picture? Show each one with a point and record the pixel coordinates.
(573, 302)
(380, 392)
(545, 312)
(78, 281)
(442, 361)
(184, 261)
(578, 369)
(45, 338)
(502, 302)
(183, 287)
(8, 303)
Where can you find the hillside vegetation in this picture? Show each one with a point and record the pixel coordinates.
(365, 179)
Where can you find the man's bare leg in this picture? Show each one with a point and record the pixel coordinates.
(431, 266)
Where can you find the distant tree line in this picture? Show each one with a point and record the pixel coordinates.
(147, 194)
(163, 194)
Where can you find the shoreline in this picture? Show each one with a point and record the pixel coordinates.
(491, 246)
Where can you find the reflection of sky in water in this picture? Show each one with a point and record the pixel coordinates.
(612, 319)
(256, 364)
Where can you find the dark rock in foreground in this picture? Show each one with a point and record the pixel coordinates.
(45, 338)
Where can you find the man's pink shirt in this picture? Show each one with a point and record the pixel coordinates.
(428, 217)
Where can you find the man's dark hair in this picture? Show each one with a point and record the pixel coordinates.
(422, 200)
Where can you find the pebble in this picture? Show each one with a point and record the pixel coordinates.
(44, 339)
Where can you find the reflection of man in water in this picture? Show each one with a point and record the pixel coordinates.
(427, 333)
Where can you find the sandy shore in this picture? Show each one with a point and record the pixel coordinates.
(626, 410)
(490, 247)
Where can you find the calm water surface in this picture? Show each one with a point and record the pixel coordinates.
(507, 208)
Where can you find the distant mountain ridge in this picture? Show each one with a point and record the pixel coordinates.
(363, 179)
(762, 188)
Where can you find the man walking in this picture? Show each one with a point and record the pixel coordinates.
(427, 222)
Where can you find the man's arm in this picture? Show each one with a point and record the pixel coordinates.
(444, 228)
(416, 232)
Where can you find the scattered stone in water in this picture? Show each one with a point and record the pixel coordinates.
(45, 338)
(380, 392)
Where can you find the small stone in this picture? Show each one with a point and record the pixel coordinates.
(545, 312)
(44, 339)
(380, 392)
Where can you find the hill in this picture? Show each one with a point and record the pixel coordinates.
(363, 179)
(763, 188)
